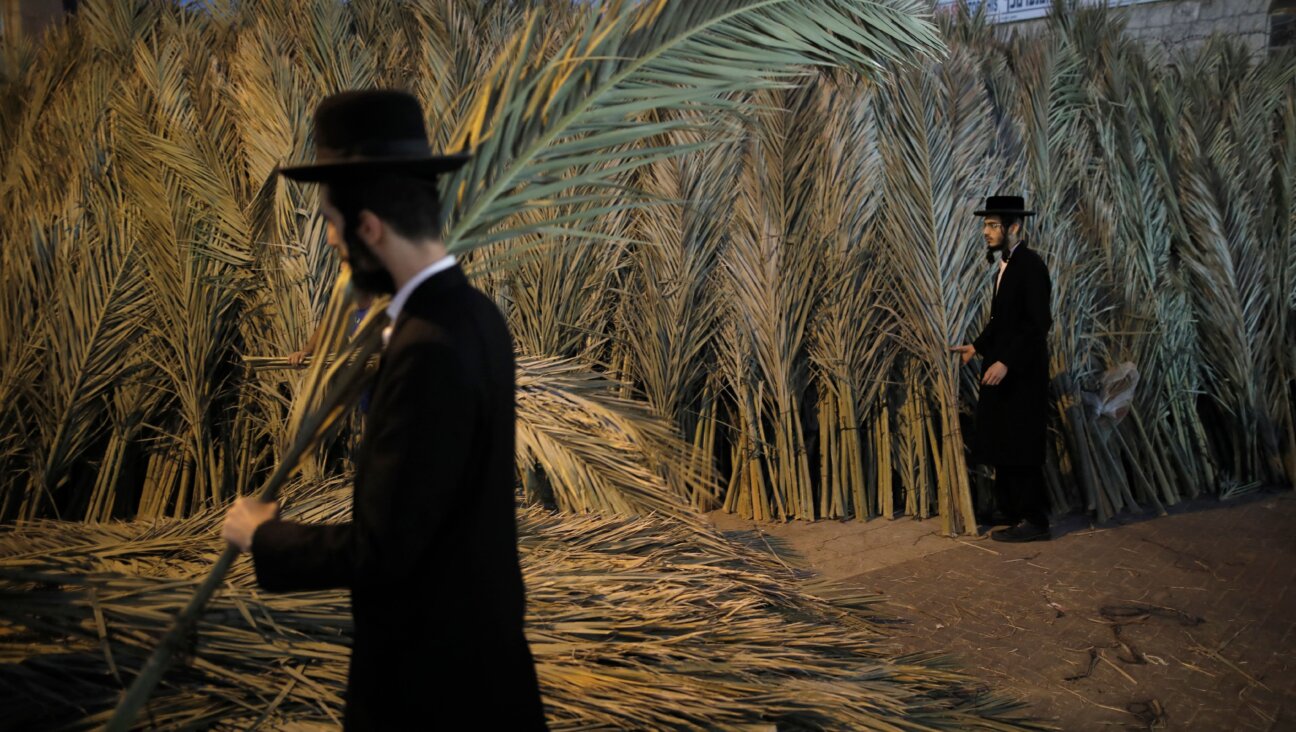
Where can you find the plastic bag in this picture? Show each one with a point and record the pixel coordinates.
(1116, 394)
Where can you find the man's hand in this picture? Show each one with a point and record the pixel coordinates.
(243, 518)
(995, 374)
(296, 359)
(966, 352)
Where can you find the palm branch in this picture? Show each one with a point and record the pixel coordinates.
(852, 345)
(1230, 249)
(936, 166)
(669, 310)
(601, 452)
(550, 124)
(771, 295)
(91, 328)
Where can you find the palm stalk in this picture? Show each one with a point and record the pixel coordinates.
(852, 347)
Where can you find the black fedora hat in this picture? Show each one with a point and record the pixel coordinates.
(1004, 206)
(371, 132)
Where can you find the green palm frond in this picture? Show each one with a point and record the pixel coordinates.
(550, 125)
(1226, 177)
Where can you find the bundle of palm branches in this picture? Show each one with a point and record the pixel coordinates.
(643, 623)
(158, 259)
(1162, 259)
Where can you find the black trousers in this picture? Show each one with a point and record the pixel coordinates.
(1020, 493)
(448, 686)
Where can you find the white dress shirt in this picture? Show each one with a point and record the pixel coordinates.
(1003, 264)
(403, 294)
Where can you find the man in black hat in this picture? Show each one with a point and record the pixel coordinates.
(1012, 412)
(430, 553)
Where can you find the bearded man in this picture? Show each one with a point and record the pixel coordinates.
(1012, 411)
(430, 553)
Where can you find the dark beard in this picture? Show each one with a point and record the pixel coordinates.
(374, 282)
(991, 251)
(366, 273)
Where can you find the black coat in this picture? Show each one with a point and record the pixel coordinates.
(1012, 417)
(430, 555)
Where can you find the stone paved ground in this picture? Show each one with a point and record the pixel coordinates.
(1179, 622)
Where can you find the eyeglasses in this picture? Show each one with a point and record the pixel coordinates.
(992, 225)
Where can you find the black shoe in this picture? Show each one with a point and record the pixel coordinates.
(1025, 531)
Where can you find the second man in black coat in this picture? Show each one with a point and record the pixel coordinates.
(1012, 411)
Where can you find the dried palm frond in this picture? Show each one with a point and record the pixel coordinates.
(668, 315)
(771, 291)
(852, 345)
(326, 398)
(90, 329)
(937, 164)
(601, 452)
(644, 623)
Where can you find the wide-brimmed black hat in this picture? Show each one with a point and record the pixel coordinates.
(1004, 206)
(371, 132)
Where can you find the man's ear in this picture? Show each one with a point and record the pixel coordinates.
(1015, 229)
(369, 227)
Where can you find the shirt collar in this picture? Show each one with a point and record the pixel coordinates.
(403, 294)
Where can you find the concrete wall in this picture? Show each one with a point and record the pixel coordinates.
(1174, 24)
(1191, 22)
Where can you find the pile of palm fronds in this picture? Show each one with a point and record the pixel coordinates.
(649, 623)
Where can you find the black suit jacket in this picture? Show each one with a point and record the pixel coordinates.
(430, 555)
(1012, 417)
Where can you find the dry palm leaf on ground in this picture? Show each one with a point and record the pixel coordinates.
(647, 622)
